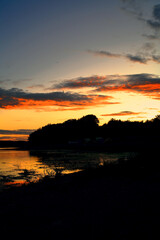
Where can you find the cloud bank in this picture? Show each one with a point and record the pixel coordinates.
(147, 84)
(18, 132)
(17, 98)
(122, 113)
(97, 91)
(143, 56)
(15, 135)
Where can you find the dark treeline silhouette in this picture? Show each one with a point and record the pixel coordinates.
(70, 132)
(86, 132)
(119, 200)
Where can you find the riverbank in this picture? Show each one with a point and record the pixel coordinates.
(117, 201)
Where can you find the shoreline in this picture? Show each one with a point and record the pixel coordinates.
(115, 201)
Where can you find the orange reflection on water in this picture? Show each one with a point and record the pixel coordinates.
(18, 167)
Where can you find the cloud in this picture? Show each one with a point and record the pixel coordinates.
(36, 86)
(122, 113)
(156, 12)
(136, 8)
(156, 58)
(14, 94)
(146, 54)
(155, 22)
(16, 132)
(17, 98)
(84, 82)
(137, 58)
(104, 54)
(15, 135)
(151, 36)
(147, 84)
(8, 82)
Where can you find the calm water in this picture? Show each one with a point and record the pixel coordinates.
(17, 167)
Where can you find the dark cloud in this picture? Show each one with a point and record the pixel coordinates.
(153, 24)
(133, 7)
(13, 137)
(156, 12)
(17, 98)
(136, 8)
(86, 82)
(16, 132)
(156, 58)
(144, 56)
(122, 113)
(8, 82)
(148, 84)
(104, 53)
(14, 94)
(151, 36)
(14, 97)
(137, 58)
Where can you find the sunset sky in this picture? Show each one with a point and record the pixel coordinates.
(63, 59)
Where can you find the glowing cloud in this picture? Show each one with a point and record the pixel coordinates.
(122, 113)
(17, 98)
(147, 84)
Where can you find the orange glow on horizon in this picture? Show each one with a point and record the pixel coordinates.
(13, 137)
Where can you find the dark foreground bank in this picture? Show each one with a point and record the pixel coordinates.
(117, 201)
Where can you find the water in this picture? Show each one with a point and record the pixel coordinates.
(18, 166)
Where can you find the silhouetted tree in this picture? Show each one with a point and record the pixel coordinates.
(87, 127)
(61, 133)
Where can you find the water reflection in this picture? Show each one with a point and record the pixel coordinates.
(74, 160)
(24, 166)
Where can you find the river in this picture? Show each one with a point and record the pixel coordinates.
(21, 166)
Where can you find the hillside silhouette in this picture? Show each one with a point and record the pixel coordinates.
(86, 132)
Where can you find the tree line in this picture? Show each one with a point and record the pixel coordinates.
(86, 130)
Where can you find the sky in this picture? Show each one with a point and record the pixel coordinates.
(65, 59)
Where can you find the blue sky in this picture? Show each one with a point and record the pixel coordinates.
(52, 37)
